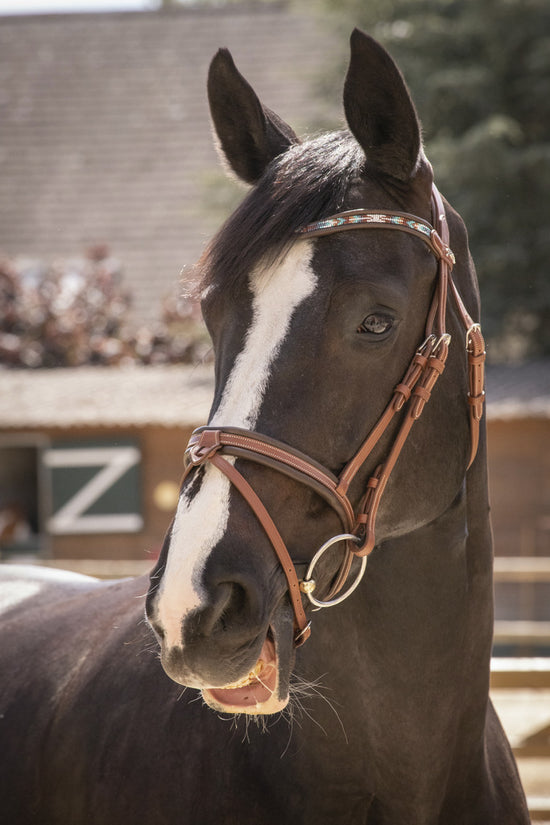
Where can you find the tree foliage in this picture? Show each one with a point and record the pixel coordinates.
(479, 71)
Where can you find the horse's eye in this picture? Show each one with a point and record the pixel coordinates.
(377, 323)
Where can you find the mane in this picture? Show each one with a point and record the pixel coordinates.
(305, 184)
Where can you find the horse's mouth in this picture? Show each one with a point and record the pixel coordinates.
(256, 693)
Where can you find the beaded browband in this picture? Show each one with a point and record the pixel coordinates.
(352, 219)
(357, 218)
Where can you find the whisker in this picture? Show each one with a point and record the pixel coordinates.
(269, 690)
(301, 688)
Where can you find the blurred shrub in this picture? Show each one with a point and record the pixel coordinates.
(76, 312)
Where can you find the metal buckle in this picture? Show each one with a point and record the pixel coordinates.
(428, 345)
(443, 339)
(303, 632)
(445, 252)
(473, 328)
(307, 585)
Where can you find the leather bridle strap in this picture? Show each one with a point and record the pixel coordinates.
(368, 508)
(475, 343)
(301, 624)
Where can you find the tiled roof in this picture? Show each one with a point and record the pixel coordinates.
(519, 390)
(105, 396)
(181, 395)
(105, 131)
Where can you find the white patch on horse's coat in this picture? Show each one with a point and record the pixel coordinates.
(14, 592)
(201, 521)
(20, 582)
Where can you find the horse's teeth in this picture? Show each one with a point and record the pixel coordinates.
(247, 680)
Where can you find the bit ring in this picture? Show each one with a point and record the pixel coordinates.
(307, 585)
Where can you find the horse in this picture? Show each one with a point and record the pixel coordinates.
(343, 466)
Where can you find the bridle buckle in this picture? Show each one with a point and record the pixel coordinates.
(444, 252)
(469, 331)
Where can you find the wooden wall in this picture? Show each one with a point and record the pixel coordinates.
(519, 482)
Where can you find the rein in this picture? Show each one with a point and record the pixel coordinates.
(212, 444)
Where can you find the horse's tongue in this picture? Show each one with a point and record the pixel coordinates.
(255, 697)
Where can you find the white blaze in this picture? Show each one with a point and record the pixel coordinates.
(201, 522)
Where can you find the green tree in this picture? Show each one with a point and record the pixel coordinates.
(479, 71)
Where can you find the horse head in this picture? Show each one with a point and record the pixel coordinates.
(312, 333)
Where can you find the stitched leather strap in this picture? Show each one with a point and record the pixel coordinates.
(207, 443)
(402, 394)
(475, 347)
(368, 508)
(265, 450)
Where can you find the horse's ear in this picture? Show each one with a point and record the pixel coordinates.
(250, 134)
(379, 110)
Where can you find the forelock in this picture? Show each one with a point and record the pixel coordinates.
(305, 184)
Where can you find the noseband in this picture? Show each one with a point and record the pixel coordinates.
(211, 444)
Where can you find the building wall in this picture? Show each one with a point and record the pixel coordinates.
(519, 484)
(162, 451)
(160, 469)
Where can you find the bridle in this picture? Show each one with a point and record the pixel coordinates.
(213, 444)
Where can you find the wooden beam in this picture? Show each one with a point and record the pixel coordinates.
(521, 569)
(520, 672)
(539, 808)
(518, 631)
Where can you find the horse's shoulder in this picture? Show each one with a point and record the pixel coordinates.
(41, 609)
(20, 583)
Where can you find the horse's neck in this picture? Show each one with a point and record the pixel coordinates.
(480, 541)
(415, 638)
(479, 557)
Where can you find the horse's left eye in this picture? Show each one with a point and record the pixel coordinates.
(377, 323)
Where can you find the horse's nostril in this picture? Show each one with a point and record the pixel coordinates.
(238, 601)
(230, 606)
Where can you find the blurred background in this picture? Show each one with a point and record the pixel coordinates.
(110, 188)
